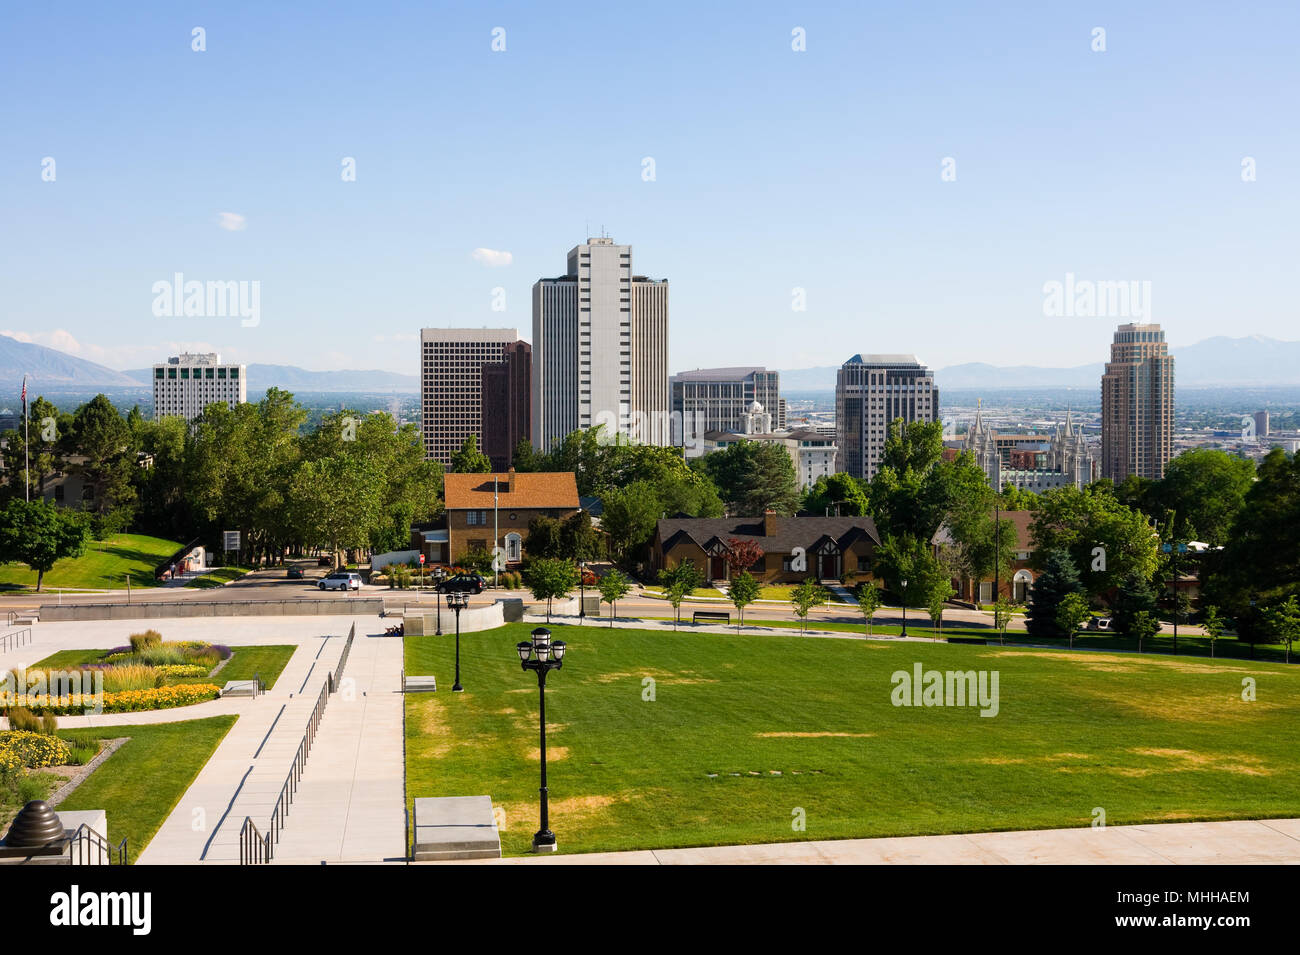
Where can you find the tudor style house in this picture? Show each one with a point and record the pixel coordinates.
(476, 503)
(794, 548)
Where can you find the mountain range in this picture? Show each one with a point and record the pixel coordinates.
(1215, 362)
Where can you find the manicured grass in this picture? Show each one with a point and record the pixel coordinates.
(68, 659)
(104, 565)
(140, 784)
(267, 662)
(218, 577)
(1148, 738)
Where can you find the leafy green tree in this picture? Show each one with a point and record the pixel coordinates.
(1071, 612)
(1135, 596)
(676, 592)
(38, 534)
(685, 573)
(629, 518)
(544, 537)
(1282, 623)
(753, 477)
(1206, 490)
(337, 501)
(579, 540)
(744, 590)
(840, 493)
(1003, 610)
(903, 557)
(804, 597)
(1143, 625)
(550, 577)
(915, 490)
(940, 593)
(1059, 578)
(1105, 539)
(469, 459)
(869, 601)
(613, 587)
(103, 441)
(1016, 498)
(1213, 625)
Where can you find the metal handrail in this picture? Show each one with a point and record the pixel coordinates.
(254, 848)
(343, 659)
(86, 838)
(15, 639)
(10, 617)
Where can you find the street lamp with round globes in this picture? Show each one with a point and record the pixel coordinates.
(457, 602)
(904, 583)
(542, 655)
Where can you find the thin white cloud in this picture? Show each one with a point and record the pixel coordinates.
(231, 221)
(492, 257)
(115, 356)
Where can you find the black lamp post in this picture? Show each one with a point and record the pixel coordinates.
(542, 656)
(582, 591)
(457, 602)
(438, 574)
(904, 583)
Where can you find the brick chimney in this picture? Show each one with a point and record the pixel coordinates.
(770, 523)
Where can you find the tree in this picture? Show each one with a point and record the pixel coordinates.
(1135, 596)
(337, 501)
(1282, 623)
(869, 600)
(544, 537)
(940, 593)
(903, 557)
(1213, 626)
(469, 459)
(579, 540)
(1206, 490)
(804, 597)
(742, 553)
(1059, 578)
(744, 591)
(613, 587)
(1071, 612)
(1106, 540)
(102, 438)
(753, 477)
(1002, 612)
(629, 518)
(550, 577)
(38, 534)
(837, 494)
(676, 592)
(1144, 625)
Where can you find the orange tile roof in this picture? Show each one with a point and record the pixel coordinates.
(558, 489)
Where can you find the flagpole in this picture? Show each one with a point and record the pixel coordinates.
(27, 478)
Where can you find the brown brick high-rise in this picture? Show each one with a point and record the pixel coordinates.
(1137, 404)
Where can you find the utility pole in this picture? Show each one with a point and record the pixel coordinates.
(997, 548)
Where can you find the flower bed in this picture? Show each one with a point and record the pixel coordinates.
(128, 701)
(21, 748)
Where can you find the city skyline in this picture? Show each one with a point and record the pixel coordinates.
(825, 187)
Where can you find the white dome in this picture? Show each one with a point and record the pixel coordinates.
(755, 407)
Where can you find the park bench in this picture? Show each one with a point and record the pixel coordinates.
(711, 616)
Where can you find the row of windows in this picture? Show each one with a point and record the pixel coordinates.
(199, 373)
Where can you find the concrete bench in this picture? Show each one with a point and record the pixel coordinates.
(240, 688)
(711, 616)
(419, 684)
(455, 827)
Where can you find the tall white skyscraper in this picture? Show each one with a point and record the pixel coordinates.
(186, 384)
(870, 392)
(600, 349)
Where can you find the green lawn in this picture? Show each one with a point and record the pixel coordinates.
(218, 577)
(104, 565)
(745, 730)
(140, 784)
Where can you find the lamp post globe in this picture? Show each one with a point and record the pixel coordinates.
(457, 602)
(904, 583)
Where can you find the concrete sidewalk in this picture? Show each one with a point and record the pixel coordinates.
(1265, 842)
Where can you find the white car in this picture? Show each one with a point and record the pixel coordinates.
(341, 580)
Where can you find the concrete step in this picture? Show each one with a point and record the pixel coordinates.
(455, 827)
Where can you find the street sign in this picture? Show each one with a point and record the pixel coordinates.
(231, 540)
(422, 558)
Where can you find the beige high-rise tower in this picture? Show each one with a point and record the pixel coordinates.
(1137, 404)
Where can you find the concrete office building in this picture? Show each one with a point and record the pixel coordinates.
(870, 392)
(717, 399)
(451, 384)
(600, 349)
(1137, 404)
(186, 384)
(505, 403)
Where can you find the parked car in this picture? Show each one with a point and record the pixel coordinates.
(295, 573)
(325, 561)
(1099, 623)
(341, 580)
(464, 584)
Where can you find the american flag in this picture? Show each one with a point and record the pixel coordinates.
(24, 392)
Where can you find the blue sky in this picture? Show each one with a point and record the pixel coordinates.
(775, 170)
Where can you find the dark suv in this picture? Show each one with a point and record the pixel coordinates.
(464, 584)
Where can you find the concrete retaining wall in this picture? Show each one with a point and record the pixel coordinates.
(508, 610)
(326, 606)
